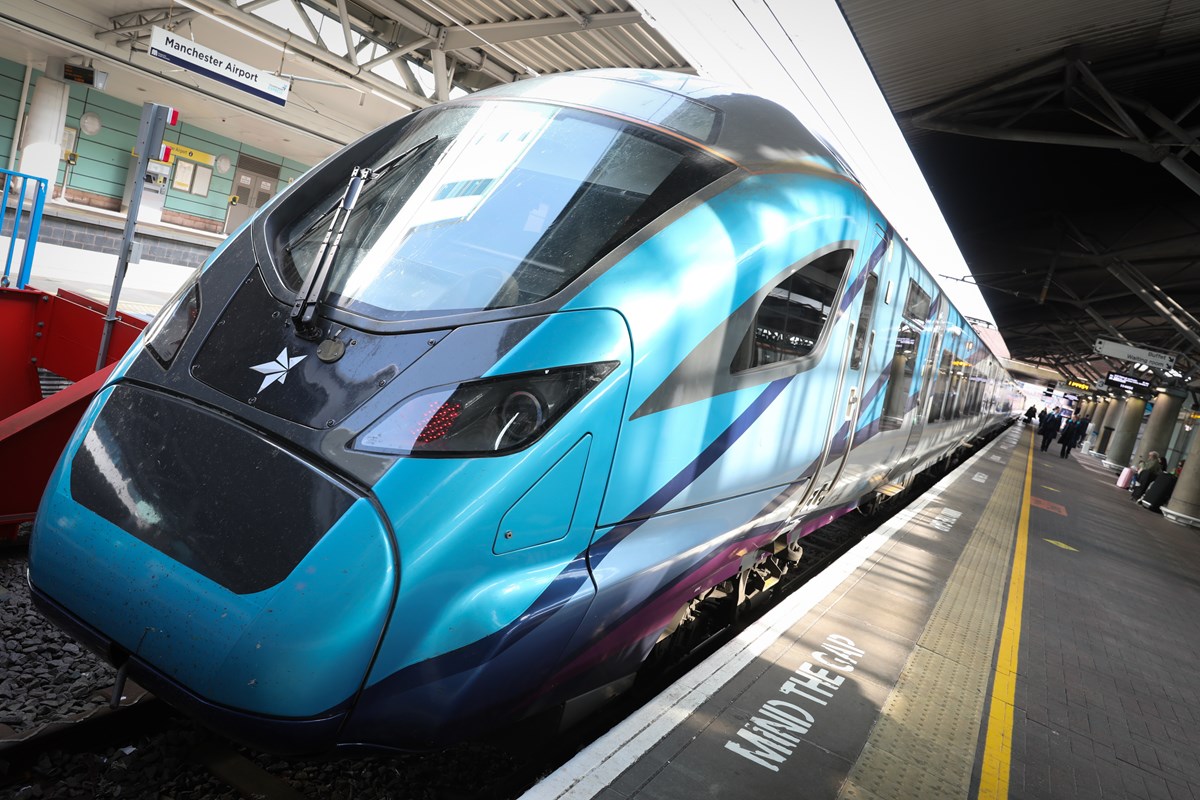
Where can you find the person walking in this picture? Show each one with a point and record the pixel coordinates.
(1049, 428)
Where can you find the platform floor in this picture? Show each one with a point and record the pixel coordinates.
(1023, 630)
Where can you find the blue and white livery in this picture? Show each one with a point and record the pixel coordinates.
(493, 401)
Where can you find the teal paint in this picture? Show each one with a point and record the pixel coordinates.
(251, 150)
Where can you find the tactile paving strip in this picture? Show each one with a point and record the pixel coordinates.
(925, 741)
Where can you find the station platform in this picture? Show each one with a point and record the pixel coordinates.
(1022, 630)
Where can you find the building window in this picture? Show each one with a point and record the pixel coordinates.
(192, 177)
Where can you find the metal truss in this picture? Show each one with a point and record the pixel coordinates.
(1065, 89)
(414, 35)
(1065, 99)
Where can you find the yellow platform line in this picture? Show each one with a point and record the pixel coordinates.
(997, 750)
(925, 741)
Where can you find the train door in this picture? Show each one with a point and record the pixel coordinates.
(851, 388)
(934, 324)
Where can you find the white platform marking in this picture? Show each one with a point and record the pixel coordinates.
(602, 762)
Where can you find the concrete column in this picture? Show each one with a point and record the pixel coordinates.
(1087, 412)
(41, 147)
(1106, 415)
(1160, 425)
(1184, 505)
(1120, 447)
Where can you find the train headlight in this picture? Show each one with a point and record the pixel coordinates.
(490, 416)
(173, 323)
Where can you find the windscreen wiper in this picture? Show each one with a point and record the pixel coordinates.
(304, 307)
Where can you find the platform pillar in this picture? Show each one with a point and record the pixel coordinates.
(41, 150)
(1087, 409)
(1120, 447)
(1103, 428)
(1184, 506)
(1160, 425)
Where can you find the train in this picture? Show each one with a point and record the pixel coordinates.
(485, 408)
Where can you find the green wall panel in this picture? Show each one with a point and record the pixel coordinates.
(11, 69)
(99, 100)
(251, 150)
(87, 184)
(212, 140)
(103, 158)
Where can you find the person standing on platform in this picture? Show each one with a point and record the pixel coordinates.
(1072, 432)
(1146, 475)
(1081, 432)
(1030, 414)
(1049, 429)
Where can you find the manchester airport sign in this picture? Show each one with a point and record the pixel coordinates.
(1140, 355)
(198, 58)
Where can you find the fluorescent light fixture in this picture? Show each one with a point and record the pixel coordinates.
(233, 25)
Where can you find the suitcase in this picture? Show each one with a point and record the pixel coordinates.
(1125, 479)
(1159, 491)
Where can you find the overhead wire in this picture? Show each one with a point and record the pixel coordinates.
(783, 68)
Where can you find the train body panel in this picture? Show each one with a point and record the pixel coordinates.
(465, 436)
(239, 631)
(440, 532)
(713, 263)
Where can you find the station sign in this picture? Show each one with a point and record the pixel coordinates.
(1072, 386)
(1126, 381)
(198, 58)
(190, 154)
(88, 76)
(1139, 355)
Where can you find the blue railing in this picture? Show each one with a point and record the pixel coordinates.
(29, 184)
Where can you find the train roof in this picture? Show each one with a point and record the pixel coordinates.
(757, 133)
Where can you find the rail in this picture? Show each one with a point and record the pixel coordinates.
(39, 187)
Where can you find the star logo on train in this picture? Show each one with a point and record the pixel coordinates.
(278, 369)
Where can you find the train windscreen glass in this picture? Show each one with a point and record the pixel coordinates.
(508, 204)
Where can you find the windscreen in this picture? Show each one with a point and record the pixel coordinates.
(499, 204)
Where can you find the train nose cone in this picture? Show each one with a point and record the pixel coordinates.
(219, 562)
(308, 645)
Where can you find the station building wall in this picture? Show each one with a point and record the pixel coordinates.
(98, 177)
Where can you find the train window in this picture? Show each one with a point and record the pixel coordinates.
(945, 388)
(916, 307)
(791, 318)
(966, 391)
(499, 204)
(864, 321)
(904, 358)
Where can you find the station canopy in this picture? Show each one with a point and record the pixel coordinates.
(1060, 140)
